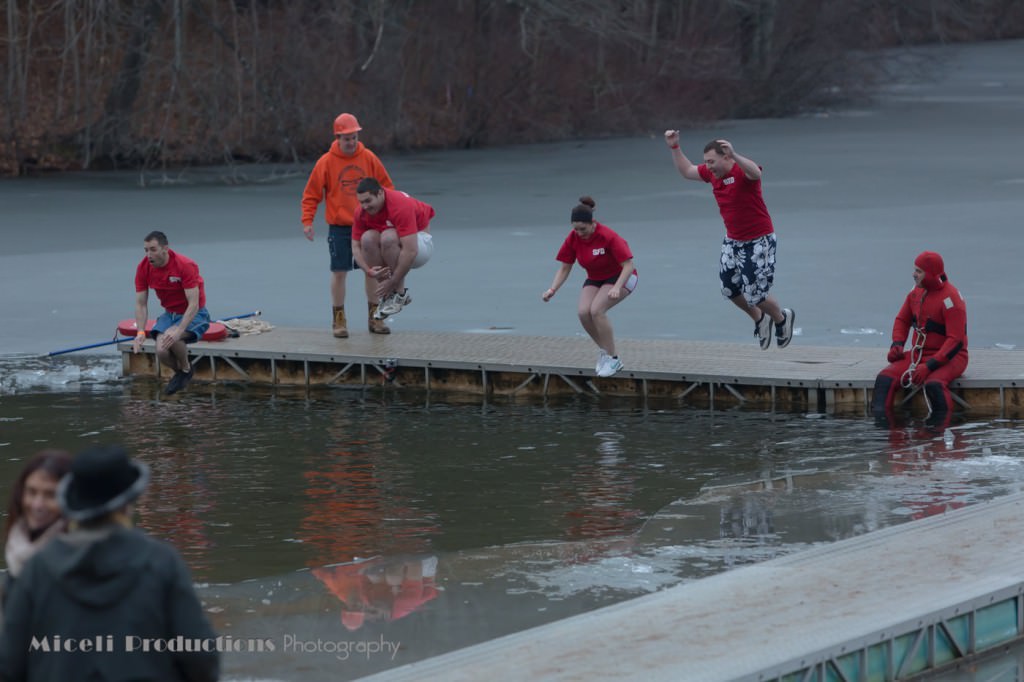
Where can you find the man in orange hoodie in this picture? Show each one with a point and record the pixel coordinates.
(333, 181)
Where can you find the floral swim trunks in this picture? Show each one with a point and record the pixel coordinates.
(748, 268)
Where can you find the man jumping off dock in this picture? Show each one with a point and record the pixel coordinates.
(747, 267)
(390, 237)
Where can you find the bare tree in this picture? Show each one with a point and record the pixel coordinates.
(167, 82)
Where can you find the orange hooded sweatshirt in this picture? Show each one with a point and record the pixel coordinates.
(334, 179)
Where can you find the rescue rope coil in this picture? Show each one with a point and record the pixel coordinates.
(245, 327)
(916, 354)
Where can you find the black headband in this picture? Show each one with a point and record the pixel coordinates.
(582, 215)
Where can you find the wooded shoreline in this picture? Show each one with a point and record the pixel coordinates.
(153, 83)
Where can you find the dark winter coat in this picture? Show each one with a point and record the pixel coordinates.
(107, 591)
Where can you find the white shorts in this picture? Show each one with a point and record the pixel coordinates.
(631, 283)
(424, 249)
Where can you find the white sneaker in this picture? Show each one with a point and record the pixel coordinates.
(387, 306)
(404, 298)
(602, 358)
(610, 367)
(394, 303)
(379, 314)
(763, 330)
(784, 331)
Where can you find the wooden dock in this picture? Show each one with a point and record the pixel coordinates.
(696, 373)
(888, 605)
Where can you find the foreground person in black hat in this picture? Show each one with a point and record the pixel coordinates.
(105, 601)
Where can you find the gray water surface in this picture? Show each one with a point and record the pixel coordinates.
(433, 521)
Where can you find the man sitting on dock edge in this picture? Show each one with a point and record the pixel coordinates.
(181, 292)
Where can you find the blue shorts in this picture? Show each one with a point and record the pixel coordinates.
(200, 323)
(339, 242)
(748, 268)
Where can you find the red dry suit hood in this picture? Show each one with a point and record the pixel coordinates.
(934, 270)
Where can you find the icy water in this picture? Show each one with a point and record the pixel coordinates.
(359, 530)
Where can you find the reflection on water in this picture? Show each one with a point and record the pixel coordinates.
(400, 525)
(380, 589)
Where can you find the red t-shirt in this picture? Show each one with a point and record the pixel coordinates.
(400, 211)
(601, 256)
(740, 203)
(170, 281)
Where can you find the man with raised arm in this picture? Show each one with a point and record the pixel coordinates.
(747, 265)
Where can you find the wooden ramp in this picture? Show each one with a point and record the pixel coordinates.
(883, 606)
(706, 374)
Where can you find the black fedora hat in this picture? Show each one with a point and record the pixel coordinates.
(102, 479)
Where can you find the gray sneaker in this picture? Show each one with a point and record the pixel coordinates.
(602, 358)
(763, 330)
(784, 331)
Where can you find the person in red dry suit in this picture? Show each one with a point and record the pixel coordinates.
(934, 317)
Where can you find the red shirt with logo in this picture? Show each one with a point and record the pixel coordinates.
(171, 281)
(400, 211)
(602, 255)
(740, 203)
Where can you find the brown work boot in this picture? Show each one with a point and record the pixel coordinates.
(340, 325)
(377, 326)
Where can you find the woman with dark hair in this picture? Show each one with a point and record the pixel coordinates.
(33, 514)
(608, 262)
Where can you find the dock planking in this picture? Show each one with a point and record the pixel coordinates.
(699, 373)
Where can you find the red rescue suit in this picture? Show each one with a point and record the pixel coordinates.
(935, 313)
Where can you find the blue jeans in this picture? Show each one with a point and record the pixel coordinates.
(339, 243)
(200, 323)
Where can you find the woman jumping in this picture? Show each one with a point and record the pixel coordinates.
(608, 262)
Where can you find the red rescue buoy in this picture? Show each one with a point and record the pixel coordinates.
(216, 332)
(128, 327)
